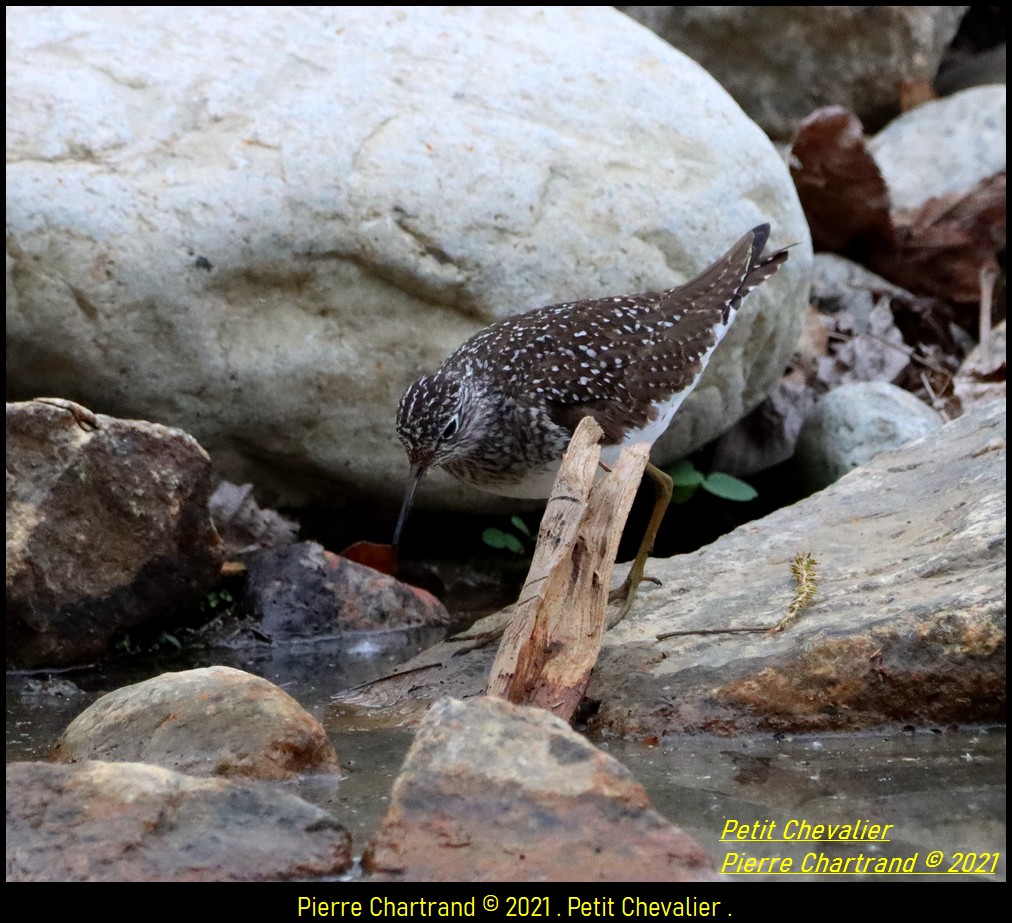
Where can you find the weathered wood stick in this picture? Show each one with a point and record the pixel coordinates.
(553, 641)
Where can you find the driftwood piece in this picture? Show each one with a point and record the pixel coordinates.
(552, 643)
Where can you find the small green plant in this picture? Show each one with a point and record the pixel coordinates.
(501, 539)
(687, 479)
(170, 639)
(216, 598)
(218, 603)
(126, 646)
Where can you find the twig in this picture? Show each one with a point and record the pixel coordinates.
(710, 631)
(912, 354)
(803, 571)
(988, 276)
(386, 676)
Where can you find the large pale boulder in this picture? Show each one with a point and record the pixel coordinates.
(261, 224)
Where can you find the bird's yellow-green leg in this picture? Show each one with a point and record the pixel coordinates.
(626, 594)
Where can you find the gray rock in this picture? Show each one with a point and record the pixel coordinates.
(263, 228)
(303, 591)
(245, 527)
(973, 70)
(212, 721)
(107, 528)
(948, 145)
(907, 625)
(469, 805)
(854, 423)
(849, 336)
(781, 63)
(132, 822)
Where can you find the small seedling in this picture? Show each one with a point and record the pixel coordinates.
(687, 479)
(126, 646)
(171, 639)
(216, 598)
(501, 539)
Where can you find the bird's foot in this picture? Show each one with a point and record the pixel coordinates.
(625, 595)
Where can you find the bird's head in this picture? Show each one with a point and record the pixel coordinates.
(438, 422)
(432, 420)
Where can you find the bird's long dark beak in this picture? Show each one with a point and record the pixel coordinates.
(417, 473)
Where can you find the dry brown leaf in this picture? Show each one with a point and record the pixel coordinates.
(372, 554)
(841, 189)
(940, 248)
(243, 525)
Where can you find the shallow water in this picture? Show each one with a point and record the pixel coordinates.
(940, 790)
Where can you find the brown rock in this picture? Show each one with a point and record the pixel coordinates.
(494, 791)
(214, 721)
(107, 528)
(132, 822)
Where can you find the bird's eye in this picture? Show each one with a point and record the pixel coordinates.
(451, 428)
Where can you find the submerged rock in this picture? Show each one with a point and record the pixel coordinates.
(215, 721)
(491, 791)
(132, 822)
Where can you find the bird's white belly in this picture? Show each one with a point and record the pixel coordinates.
(655, 428)
(537, 483)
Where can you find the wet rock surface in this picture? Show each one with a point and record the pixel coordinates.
(470, 804)
(215, 721)
(107, 529)
(907, 624)
(100, 821)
